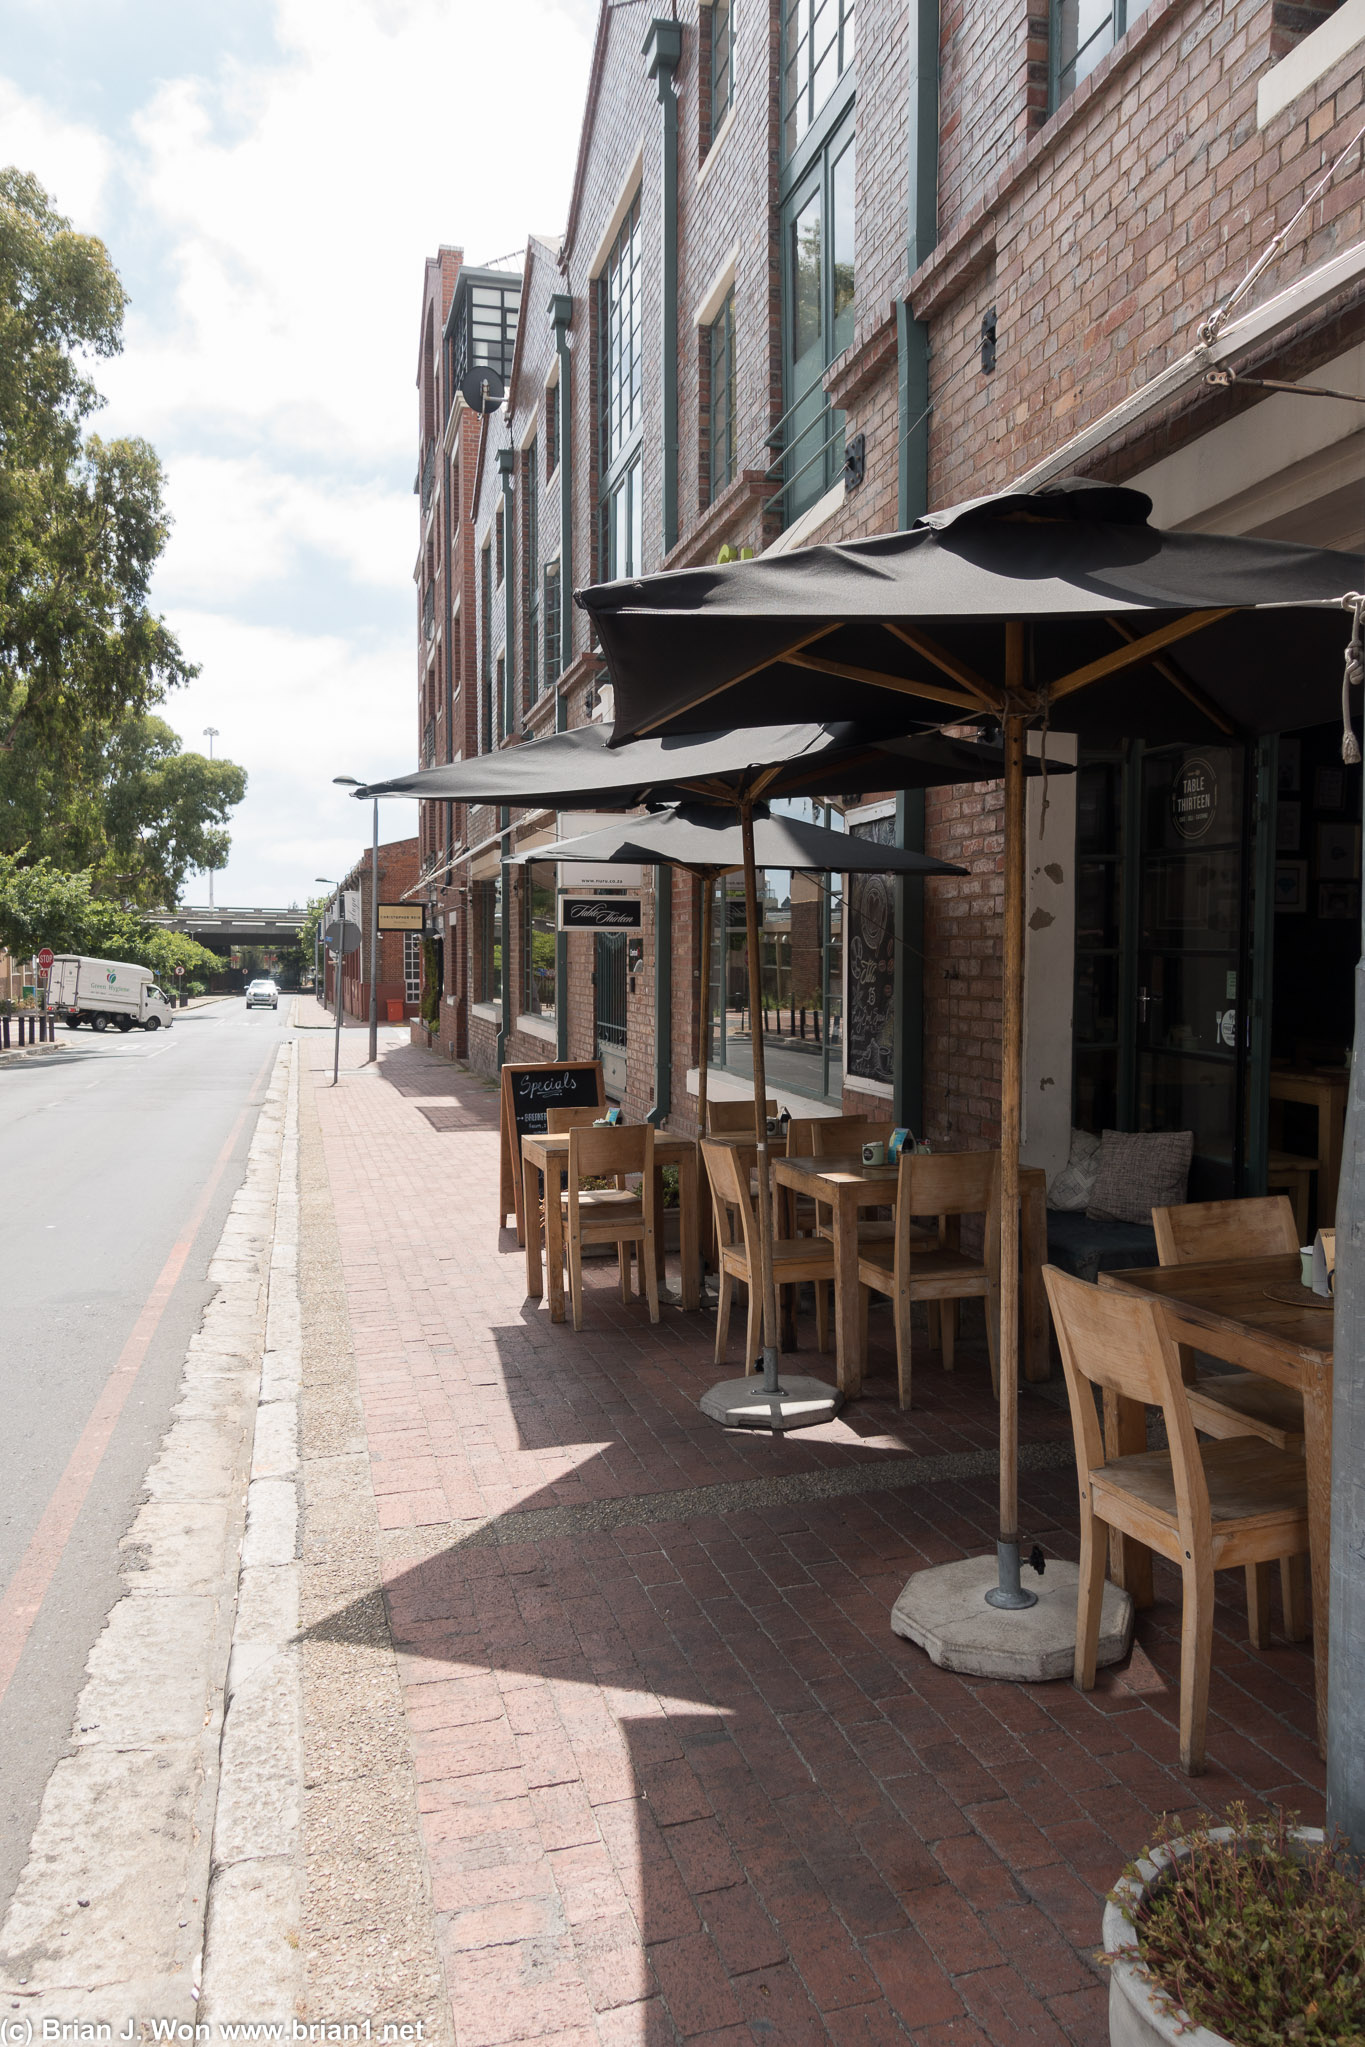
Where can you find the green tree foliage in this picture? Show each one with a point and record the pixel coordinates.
(81, 520)
(40, 905)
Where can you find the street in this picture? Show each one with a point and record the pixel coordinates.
(121, 1157)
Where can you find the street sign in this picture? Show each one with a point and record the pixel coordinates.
(45, 959)
(343, 938)
(178, 972)
(599, 913)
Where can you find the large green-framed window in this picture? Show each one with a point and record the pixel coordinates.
(621, 399)
(1084, 31)
(486, 647)
(820, 288)
(551, 606)
(817, 49)
(538, 940)
(721, 408)
(722, 60)
(530, 588)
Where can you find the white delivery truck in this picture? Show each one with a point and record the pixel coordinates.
(104, 992)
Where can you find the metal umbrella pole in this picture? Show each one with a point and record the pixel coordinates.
(708, 886)
(765, 1185)
(374, 939)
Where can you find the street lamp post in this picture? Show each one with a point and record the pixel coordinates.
(351, 782)
(338, 956)
(210, 733)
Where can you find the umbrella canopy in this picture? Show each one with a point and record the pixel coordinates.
(1241, 636)
(584, 769)
(710, 840)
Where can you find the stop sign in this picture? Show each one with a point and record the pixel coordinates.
(45, 959)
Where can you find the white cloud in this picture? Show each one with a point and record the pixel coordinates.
(274, 216)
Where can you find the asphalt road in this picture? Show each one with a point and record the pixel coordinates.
(106, 1151)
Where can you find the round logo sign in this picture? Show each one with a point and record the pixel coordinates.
(1194, 797)
(45, 958)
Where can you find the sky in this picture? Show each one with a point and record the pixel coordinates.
(268, 177)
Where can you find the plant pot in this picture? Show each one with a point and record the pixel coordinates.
(1138, 2013)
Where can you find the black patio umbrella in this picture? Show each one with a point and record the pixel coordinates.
(709, 840)
(1063, 608)
(585, 768)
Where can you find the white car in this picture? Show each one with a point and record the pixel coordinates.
(262, 995)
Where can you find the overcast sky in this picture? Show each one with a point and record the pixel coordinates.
(268, 176)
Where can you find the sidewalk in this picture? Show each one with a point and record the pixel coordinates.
(675, 1778)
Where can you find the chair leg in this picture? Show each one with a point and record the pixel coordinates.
(725, 1300)
(901, 1309)
(753, 1328)
(576, 1278)
(649, 1271)
(1196, 1655)
(1089, 1595)
(1292, 1598)
(822, 1294)
(948, 1315)
(1258, 1605)
(623, 1262)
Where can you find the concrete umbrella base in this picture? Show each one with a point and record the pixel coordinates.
(944, 1610)
(801, 1403)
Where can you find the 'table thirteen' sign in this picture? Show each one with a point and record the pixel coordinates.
(1194, 797)
(599, 913)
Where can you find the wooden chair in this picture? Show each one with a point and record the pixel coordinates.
(1227, 1404)
(611, 1215)
(734, 1119)
(1206, 1507)
(729, 1169)
(831, 1135)
(910, 1268)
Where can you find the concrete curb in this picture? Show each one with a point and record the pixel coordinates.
(107, 1922)
(252, 1964)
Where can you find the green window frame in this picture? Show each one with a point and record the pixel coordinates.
(722, 60)
(818, 44)
(819, 314)
(552, 607)
(500, 689)
(721, 397)
(488, 952)
(538, 925)
(486, 647)
(620, 322)
(1083, 32)
(530, 477)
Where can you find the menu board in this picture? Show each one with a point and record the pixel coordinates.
(527, 1092)
(870, 947)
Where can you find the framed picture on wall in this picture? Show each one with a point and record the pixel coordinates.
(1329, 788)
(1338, 852)
(1288, 825)
(1338, 899)
(1291, 756)
(1291, 885)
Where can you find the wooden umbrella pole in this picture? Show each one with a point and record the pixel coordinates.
(1008, 1592)
(765, 1191)
(704, 1027)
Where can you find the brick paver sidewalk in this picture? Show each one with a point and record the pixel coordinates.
(678, 1779)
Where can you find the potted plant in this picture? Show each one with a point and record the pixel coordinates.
(1245, 1935)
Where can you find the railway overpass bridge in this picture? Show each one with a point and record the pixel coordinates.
(244, 929)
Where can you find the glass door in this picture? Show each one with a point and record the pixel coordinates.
(610, 978)
(1191, 1018)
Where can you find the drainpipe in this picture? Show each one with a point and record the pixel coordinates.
(561, 314)
(505, 1012)
(663, 996)
(912, 498)
(662, 48)
(507, 459)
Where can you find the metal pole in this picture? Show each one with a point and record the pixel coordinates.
(340, 921)
(704, 1028)
(765, 1190)
(374, 939)
(1008, 1592)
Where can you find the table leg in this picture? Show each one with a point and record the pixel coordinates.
(1033, 1256)
(1317, 1452)
(1330, 1133)
(530, 1181)
(554, 1245)
(848, 1330)
(784, 1223)
(689, 1245)
(1125, 1434)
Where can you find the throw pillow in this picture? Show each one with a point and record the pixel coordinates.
(1140, 1170)
(1071, 1188)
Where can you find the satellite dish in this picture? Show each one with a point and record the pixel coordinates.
(483, 389)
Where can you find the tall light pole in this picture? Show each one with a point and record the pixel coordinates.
(210, 733)
(351, 782)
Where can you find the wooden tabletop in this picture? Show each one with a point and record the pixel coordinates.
(543, 1143)
(1230, 1298)
(842, 1166)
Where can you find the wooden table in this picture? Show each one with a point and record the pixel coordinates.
(1325, 1092)
(1223, 1309)
(544, 1154)
(845, 1185)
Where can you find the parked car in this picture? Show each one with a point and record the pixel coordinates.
(104, 992)
(262, 995)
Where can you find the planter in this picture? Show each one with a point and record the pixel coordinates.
(1139, 2015)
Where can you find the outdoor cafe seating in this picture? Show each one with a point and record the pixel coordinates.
(614, 1214)
(729, 1169)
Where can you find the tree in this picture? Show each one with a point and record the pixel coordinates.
(40, 905)
(82, 522)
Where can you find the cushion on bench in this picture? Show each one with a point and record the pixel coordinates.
(1087, 1247)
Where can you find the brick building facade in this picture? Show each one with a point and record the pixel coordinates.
(400, 952)
(822, 271)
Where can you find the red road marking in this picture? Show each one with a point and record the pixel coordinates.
(27, 1589)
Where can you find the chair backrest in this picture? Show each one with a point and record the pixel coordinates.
(1203, 1232)
(831, 1135)
(728, 1168)
(949, 1183)
(559, 1120)
(734, 1119)
(1120, 1342)
(801, 1136)
(613, 1149)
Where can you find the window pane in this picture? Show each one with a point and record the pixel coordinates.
(1085, 33)
(538, 940)
(722, 60)
(842, 181)
(623, 368)
(722, 421)
(806, 256)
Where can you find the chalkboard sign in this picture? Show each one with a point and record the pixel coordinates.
(870, 944)
(527, 1092)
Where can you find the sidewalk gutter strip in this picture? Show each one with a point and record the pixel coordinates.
(107, 1923)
